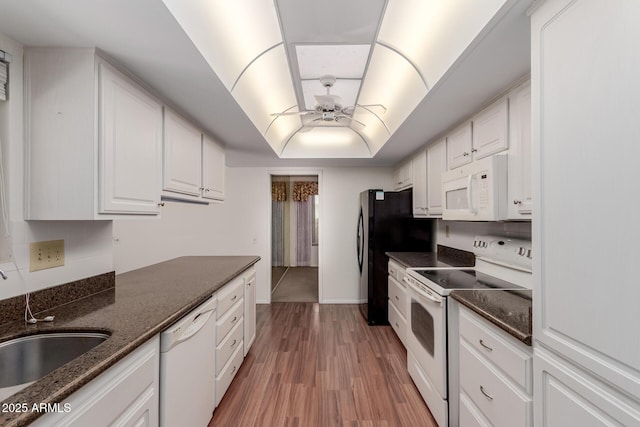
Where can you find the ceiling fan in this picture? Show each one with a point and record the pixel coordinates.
(329, 107)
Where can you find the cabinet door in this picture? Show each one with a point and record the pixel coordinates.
(182, 155)
(249, 311)
(519, 170)
(491, 130)
(459, 146)
(586, 152)
(419, 169)
(567, 396)
(406, 173)
(213, 169)
(130, 139)
(436, 164)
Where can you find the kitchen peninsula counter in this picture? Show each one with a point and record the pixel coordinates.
(142, 304)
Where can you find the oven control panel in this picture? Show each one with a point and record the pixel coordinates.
(504, 250)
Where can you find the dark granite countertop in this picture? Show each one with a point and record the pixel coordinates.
(444, 257)
(142, 304)
(510, 311)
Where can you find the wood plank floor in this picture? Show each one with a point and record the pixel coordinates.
(321, 365)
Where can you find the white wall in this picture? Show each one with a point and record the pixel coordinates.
(88, 244)
(460, 234)
(242, 226)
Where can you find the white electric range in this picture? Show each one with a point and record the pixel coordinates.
(501, 264)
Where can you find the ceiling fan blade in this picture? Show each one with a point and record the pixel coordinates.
(368, 107)
(351, 119)
(292, 113)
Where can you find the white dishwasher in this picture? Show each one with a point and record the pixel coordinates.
(187, 368)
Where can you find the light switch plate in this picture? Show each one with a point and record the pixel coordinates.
(43, 255)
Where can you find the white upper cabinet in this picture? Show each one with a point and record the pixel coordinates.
(491, 130)
(419, 169)
(403, 175)
(486, 134)
(194, 164)
(436, 165)
(519, 158)
(130, 139)
(182, 155)
(213, 169)
(459, 146)
(584, 69)
(93, 139)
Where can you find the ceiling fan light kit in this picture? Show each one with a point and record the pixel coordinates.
(376, 61)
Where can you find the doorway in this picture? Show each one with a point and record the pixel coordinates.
(295, 225)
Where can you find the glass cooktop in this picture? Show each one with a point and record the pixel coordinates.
(448, 280)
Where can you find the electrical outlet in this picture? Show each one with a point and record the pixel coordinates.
(43, 255)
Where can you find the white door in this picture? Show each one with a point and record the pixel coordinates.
(459, 146)
(130, 139)
(585, 98)
(182, 155)
(436, 165)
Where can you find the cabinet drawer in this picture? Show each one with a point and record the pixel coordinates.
(508, 354)
(398, 323)
(229, 295)
(500, 401)
(223, 380)
(229, 320)
(398, 296)
(396, 270)
(228, 346)
(470, 416)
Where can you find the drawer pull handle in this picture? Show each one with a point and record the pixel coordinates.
(397, 298)
(397, 326)
(233, 371)
(487, 395)
(234, 319)
(485, 346)
(234, 297)
(233, 343)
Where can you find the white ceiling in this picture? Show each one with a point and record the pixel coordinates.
(144, 37)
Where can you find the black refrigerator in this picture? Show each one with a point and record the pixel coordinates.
(386, 224)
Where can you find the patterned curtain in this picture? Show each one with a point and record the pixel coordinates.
(278, 197)
(304, 228)
(303, 189)
(277, 233)
(279, 191)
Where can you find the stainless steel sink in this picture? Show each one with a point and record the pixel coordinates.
(30, 358)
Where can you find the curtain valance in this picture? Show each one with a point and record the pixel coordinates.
(303, 189)
(279, 191)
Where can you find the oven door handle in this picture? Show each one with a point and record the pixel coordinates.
(421, 293)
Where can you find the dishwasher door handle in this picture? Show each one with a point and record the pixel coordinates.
(198, 322)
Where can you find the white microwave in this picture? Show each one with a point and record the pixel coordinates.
(476, 191)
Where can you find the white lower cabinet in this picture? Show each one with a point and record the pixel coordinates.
(229, 334)
(249, 308)
(127, 394)
(569, 396)
(495, 375)
(397, 310)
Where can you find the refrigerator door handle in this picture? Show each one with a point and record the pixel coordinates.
(360, 240)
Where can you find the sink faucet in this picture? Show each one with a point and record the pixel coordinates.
(3, 275)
